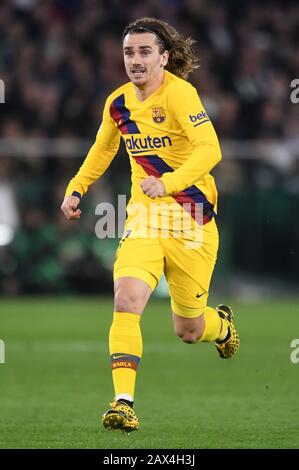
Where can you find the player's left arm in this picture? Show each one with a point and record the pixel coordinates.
(188, 110)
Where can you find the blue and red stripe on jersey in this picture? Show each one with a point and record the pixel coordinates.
(153, 165)
(121, 116)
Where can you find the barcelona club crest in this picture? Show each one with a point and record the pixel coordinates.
(158, 114)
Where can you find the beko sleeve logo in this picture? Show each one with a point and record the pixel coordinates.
(199, 118)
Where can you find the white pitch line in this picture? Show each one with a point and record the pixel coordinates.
(85, 346)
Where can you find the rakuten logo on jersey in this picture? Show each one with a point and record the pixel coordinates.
(198, 117)
(146, 143)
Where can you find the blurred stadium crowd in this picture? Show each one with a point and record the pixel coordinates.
(59, 59)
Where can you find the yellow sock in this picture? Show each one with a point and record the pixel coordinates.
(213, 325)
(125, 345)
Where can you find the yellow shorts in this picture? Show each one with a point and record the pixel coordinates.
(187, 268)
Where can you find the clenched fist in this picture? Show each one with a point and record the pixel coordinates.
(70, 207)
(153, 187)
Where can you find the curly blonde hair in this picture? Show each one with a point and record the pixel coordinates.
(182, 58)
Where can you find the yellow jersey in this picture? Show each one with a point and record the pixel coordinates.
(168, 135)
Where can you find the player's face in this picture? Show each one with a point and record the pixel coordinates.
(143, 62)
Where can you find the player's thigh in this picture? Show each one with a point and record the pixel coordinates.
(189, 270)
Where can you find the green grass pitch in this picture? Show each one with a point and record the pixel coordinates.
(56, 381)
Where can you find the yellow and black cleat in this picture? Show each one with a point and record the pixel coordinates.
(227, 347)
(120, 416)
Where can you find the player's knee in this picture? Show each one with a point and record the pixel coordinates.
(127, 302)
(188, 336)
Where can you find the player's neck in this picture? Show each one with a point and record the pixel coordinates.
(144, 91)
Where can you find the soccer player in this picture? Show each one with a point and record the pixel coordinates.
(172, 148)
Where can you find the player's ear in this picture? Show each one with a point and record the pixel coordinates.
(165, 57)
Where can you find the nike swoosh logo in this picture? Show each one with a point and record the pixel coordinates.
(199, 295)
(117, 357)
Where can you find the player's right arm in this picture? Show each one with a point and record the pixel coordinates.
(94, 166)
